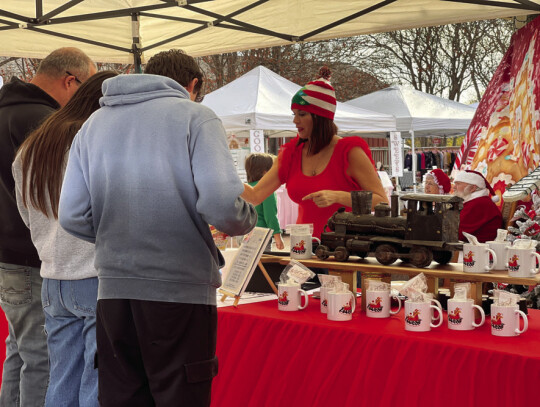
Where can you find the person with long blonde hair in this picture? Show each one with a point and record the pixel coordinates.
(69, 290)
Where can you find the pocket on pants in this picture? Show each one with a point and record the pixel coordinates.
(45, 302)
(201, 371)
(15, 286)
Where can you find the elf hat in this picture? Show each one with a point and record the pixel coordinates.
(475, 178)
(441, 179)
(317, 97)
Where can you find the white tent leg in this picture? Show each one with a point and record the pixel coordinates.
(414, 160)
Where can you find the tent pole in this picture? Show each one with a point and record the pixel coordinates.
(136, 46)
(414, 160)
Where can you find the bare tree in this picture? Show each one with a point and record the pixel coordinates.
(443, 60)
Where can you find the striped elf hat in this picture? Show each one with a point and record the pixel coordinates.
(317, 97)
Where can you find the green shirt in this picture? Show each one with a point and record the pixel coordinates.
(267, 212)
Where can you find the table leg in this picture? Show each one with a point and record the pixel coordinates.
(432, 285)
(476, 293)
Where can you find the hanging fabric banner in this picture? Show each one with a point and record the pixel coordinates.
(396, 153)
(256, 141)
(503, 140)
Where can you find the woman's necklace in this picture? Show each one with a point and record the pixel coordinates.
(322, 156)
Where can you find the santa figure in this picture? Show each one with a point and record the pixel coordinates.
(436, 182)
(480, 216)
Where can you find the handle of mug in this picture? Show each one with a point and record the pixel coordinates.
(494, 255)
(437, 303)
(317, 240)
(535, 270)
(303, 293)
(399, 305)
(482, 315)
(353, 302)
(439, 310)
(525, 322)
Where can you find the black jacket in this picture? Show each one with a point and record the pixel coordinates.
(23, 107)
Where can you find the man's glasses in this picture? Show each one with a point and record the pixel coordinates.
(76, 79)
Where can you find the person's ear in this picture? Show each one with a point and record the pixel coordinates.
(190, 88)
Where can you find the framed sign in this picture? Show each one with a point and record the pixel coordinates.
(245, 262)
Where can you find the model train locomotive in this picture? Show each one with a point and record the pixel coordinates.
(428, 232)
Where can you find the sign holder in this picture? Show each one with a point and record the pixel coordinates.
(244, 264)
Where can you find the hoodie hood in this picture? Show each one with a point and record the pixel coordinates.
(138, 88)
(17, 92)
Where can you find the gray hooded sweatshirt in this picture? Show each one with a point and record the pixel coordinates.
(147, 173)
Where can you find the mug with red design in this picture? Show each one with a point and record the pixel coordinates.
(476, 258)
(324, 298)
(461, 315)
(378, 304)
(341, 306)
(418, 316)
(505, 320)
(522, 262)
(290, 297)
(302, 246)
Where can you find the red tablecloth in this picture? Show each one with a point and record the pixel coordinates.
(3, 336)
(272, 358)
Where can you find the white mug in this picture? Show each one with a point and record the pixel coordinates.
(522, 262)
(302, 246)
(476, 258)
(461, 315)
(378, 304)
(418, 316)
(505, 320)
(324, 298)
(500, 249)
(289, 297)
(341, 306)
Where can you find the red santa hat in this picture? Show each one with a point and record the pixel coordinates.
(441, 179)
(475, 178)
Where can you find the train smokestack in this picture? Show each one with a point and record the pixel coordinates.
(361, 202)
(394, 202)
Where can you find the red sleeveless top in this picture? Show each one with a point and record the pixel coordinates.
(333, 177)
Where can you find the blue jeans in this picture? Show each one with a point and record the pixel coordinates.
(26, 368)
(70, 322)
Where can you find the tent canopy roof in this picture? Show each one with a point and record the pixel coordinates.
(421, 112)
(261, 99)
(116, 30)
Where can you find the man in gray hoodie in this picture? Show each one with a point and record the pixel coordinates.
(147, 174)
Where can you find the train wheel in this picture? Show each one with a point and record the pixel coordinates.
(385, 254)
(421, 256)
(341, 253)
(443, 257)
(322, 252)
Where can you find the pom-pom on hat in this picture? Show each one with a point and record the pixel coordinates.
(317, 97)
(441, 179)
(475, 178)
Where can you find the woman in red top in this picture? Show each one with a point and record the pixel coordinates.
(319, 167)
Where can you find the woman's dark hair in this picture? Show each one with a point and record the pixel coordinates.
(321, 134)
(43, 153)
(257, 164)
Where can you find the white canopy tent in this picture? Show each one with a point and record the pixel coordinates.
(127, 31)
(419, 113)
(261, 99)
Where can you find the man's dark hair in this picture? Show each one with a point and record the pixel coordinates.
(177, 65)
